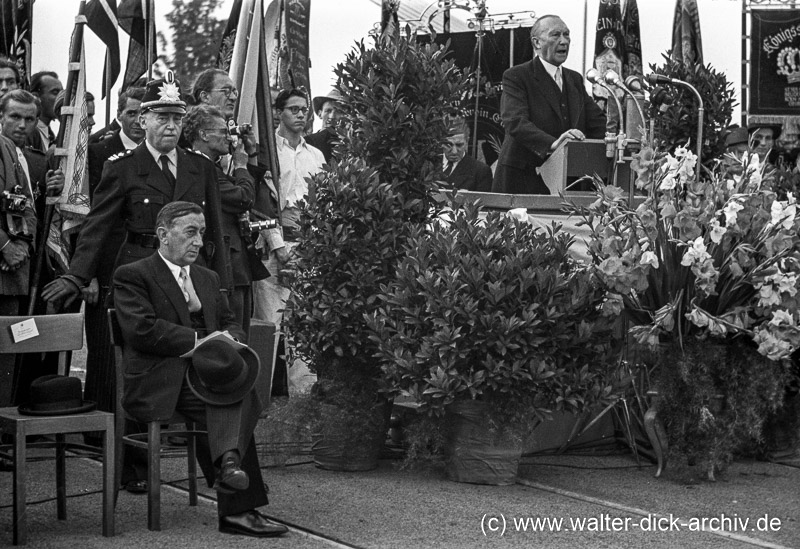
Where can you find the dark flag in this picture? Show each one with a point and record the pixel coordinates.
(17, 17)
(687, 45)
(137, 18)
(609, 51)
(229, 37)
(633, 40)
(390, 25)
(101, 17)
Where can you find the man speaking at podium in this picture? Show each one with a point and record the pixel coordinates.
(543, 105)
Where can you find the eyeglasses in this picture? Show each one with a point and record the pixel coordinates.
(227, 92)
(295, 109)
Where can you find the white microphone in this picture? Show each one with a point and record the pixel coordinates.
(594, 76)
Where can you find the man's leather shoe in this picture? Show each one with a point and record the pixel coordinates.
(136, 486)
(231, 477)
(251, 523)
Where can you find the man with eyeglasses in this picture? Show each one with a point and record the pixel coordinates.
(298, 161)
(136, 184)
(214, 87)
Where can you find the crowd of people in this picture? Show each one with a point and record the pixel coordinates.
(173, 184)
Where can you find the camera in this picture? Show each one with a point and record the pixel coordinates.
(247, 227)
(13, 201)
(233, 129)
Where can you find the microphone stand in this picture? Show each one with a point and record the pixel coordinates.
(613, 77)
(596, 78)
(654, 79)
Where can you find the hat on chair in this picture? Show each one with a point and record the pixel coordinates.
(221, 375)
(55, 395)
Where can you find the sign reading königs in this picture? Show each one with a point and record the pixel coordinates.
(775, 62)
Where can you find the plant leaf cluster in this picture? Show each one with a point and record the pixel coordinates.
(491, 309)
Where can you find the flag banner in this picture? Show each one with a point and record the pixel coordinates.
(390, 24)
(225, 54)
(277, 46)
(137, 18)
(17, 32)
(609, 51)
(633, 40)
(298, 15)
(101, 18)
(687, 45)
(73, 203)
(496, 57)
(774, 64)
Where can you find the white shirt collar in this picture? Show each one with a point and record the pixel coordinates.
(551, 69)
(174, 269)
(127, 142)
(281, 141)
(172, 155)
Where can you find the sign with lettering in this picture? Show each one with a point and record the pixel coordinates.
(775, 63)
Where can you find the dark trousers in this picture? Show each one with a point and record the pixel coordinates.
(508, 179)
(229, 427)
(241, 303)
(9, 306)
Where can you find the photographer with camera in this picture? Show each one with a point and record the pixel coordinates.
(17, 229)
(209, 133)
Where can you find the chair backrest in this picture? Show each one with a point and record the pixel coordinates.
(56, 333)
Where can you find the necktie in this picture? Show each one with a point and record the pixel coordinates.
(188, 292)
(164, 159)
(558, 79)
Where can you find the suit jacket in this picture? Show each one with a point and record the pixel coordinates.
(156, 328)
(471, 175)
(99, 152)
(324, 140)
(11, 175)
(133, 190)
(100, 134)
(237, 193)
(530, 107)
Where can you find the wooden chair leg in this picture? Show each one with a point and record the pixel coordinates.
(110, 481)
(19, 516)
(154, 476)
(61, 477)
(191, 450)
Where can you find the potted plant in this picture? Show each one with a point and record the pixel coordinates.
(707, 270)
(490, 325)
(353, 230)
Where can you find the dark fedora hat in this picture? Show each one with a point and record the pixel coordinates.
(319, 101)
(737, 136)
(55, 395)
(163, 95)
(221, 375)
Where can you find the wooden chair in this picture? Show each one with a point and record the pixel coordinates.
(57, 333)
(150, 441)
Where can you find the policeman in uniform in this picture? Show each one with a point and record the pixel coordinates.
(136, 184)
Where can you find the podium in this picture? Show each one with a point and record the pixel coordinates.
(576, 159)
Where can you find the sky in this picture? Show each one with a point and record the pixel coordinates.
(336, 25)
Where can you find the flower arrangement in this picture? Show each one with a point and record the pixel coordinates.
(717, 256)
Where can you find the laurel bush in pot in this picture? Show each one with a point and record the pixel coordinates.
(352, 231)
(494, 312)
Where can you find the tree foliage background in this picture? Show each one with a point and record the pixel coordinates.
(196, 33)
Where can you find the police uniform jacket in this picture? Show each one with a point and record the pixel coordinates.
(133, 189)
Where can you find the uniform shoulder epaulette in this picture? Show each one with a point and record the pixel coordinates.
(198, 153)
(119, 155)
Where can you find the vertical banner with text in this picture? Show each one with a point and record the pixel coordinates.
(775, 64)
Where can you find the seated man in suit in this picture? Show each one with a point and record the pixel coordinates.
(460, 169)
(165, 304)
